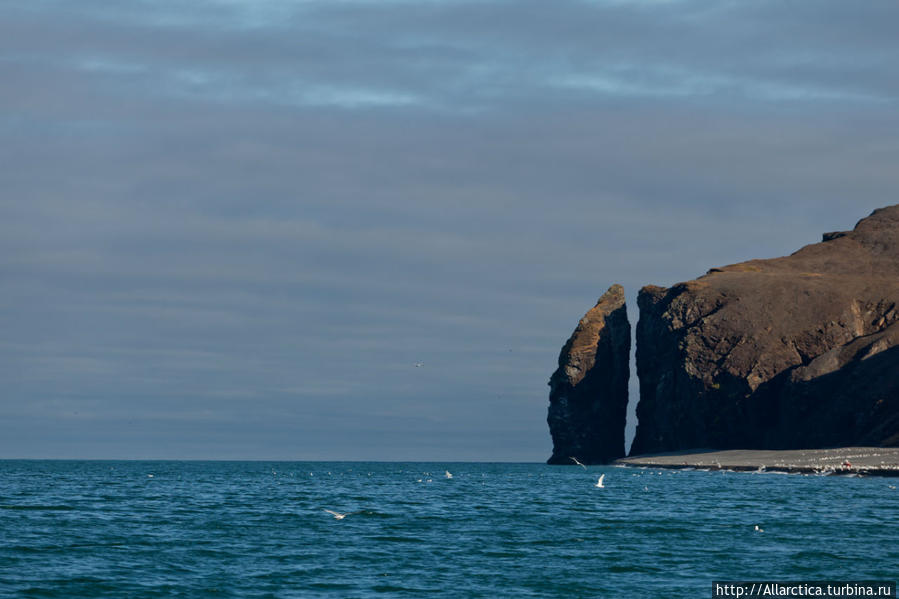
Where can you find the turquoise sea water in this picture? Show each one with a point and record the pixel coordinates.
(259, 529)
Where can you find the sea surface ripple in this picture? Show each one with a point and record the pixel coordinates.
(258, 529)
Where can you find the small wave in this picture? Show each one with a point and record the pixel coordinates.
(622, 569)
(56, 508)
(392, 588)
(660, 529)
(34, 549)
(816, 555)
(373, 514)
(397, 539)
(553, 542)
(331, 586)
(503, 553)
(93, 545)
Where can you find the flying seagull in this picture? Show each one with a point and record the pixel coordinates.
(574, 459)
(339, 516)
(599, 484)
(419, 364)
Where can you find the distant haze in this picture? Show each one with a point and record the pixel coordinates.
(230, 229)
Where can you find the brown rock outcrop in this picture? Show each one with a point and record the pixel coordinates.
(588, 392)
(793, 352)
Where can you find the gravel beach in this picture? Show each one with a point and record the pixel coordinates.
(871, 461)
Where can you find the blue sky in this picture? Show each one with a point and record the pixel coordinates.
(229, 229)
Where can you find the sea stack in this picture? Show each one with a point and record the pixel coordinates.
(793, 352)
(588, 391)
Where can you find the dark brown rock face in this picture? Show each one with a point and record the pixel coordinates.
(588, 392)
(793, 352)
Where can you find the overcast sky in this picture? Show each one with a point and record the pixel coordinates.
(230, 228)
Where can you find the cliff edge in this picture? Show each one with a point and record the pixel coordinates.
(588, 391)
(793, 352)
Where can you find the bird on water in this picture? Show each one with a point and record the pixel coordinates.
(339, 516)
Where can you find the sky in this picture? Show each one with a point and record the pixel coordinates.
(229, 229)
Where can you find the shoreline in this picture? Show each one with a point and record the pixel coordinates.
(859, 461)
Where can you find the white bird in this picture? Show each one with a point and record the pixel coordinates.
(599, 484)
(757, 529)
(339, 516)
(419, 364)
(447, 474)
(149, 476)
(574, 459)
(892, 486)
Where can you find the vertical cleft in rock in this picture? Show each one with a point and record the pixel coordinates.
(588, 392)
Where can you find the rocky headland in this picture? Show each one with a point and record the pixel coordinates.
(588, 391)
(794, 352)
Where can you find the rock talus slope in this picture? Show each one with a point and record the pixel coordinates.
(588, 391)
(793, 352)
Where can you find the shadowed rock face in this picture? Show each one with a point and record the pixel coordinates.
(793, 352)
(588, 392)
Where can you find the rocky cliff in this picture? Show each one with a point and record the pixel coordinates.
(793, 352)
(588, 392)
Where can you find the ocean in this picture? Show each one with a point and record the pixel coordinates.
(140, 529)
